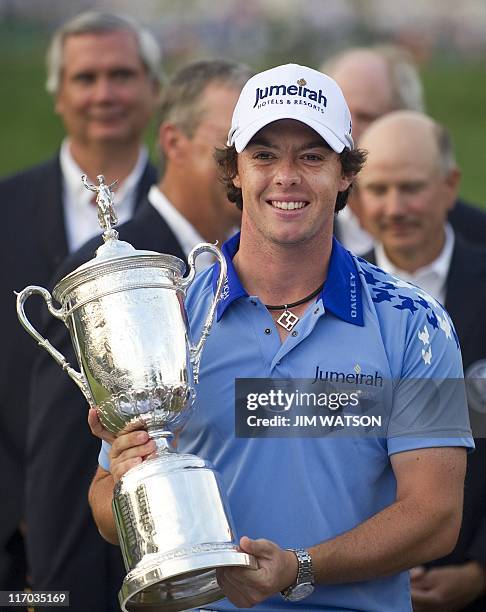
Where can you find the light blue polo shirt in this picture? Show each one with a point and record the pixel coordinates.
(300, 491)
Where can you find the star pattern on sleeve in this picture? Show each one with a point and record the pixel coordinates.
(406, 304)
(423, 335)
(421, 302)
(389, 289)
(432, 319)
(369, 278)
(427, 355)
(382, 295)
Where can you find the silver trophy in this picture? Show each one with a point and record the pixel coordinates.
(125, 313)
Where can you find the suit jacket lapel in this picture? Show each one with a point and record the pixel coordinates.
(148, 178)
(148, 230)
(49, 213)
(466, 288)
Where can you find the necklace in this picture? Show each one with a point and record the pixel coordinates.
(288, 320)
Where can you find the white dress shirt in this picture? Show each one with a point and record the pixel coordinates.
(80, 213)
(432, 277)
(351, 235)
(185, 232)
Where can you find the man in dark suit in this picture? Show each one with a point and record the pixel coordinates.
(103, 74)
(188, 206)
(406, 189)
(375, 81)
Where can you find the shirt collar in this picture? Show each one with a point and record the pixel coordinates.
(439, 267)
(341, 293)
(351, 234)
(125, 190)
(183, 230)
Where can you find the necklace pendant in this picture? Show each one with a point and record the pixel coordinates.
(288, 320)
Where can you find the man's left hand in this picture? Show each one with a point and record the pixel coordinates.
(446, 589)
(277, 570)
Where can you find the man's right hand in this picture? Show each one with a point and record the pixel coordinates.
(97, 428)
(128, 449)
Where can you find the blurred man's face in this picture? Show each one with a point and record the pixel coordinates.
(106, 95)
(217, 104)
(363, 78)
(404, 194)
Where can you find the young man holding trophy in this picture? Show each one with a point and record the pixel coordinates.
(333, 522)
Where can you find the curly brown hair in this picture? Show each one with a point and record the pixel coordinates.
(227, 159)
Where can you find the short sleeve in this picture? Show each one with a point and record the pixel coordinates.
(103, 457)
(429, 406)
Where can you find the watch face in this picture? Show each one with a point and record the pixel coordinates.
(299, 591)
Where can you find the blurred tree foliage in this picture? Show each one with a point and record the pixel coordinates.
(456, 96)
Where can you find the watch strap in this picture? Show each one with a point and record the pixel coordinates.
(305, 574)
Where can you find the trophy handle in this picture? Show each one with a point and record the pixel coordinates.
(22, 297)
(204, 247)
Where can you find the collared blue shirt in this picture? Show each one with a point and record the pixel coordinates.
(339, 295)
(300, 491)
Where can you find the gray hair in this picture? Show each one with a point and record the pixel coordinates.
(180, 102)
(446, 158)
(94, 22)
(406, 86)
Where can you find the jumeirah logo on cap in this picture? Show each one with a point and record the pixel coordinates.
(302, 82)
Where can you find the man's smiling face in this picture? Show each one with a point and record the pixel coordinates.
(106, 94)
(289, 179)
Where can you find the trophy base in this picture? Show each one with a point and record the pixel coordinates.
(174, 529)
(170, 585)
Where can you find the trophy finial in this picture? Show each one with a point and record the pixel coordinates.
(105, 203)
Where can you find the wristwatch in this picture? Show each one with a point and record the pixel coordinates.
(304, 585)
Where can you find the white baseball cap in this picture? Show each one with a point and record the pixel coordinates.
(292, 92)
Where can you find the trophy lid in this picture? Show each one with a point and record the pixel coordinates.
(113, 255)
